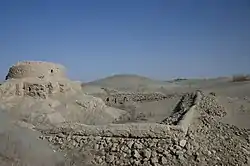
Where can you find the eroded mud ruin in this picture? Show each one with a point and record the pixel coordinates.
(192, 135)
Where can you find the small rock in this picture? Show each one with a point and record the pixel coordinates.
(101, 147)
(179, 152)
(248, 160)
(50, 139)
(136, 154)
(117, 162)
(114, 140)
(166, 153)
(160, 150)
(172, 150)
(96, 147)
(102, 152)
(129, 152)
(196, 157)
(177, 147)
(153, 160)
(138, 145)
(122, 148)
(110, 158)
(98, 160)
(209, 153)
(108, 139)
(61, 135)
(153, 153)
(136, 162)
(146, 153)
(248, 139)
(163, 160)
(78, 139)
(183, 143)
(41, 137)
(180, 157)
(113, 149)
(130, 144)
(124, 155)
(74, 143)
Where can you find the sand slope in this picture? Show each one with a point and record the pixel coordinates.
(20, 146)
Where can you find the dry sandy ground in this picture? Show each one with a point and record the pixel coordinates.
(236, 99)
(157, 111)
(234, 96)
(20, 146)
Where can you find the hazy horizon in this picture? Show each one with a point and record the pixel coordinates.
(157, 39)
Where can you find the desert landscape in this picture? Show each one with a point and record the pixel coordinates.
(121, 120)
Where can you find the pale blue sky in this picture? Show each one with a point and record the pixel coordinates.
(157, 38)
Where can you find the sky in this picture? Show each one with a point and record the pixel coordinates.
(161, 39)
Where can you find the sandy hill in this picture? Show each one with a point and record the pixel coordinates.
(131, 82)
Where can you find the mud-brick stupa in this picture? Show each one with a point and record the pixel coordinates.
(38, 79)
(40, 92)
(35, 69)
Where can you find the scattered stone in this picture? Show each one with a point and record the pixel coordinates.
(130, 144)
(154, 160)
(138, 145)
(183, 143)
(208, 142)
(96, 147)
(98, 160)
(163, 160)
(146, 153)
(136, 154)
(209, 153)
(153, 153)
(180, 157)
(110, 158)
(136, 162)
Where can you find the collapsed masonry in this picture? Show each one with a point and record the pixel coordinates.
(114, 97)
(177, 141)
(36, 79)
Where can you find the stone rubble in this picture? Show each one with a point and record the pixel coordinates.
(115, 98)
(182, 107)
(208, 142)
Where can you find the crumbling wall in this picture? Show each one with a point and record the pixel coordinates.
(120, 144)
(115, 99)
(37, 79)
(128, 144)
(36, 88)
(131, 130)
(35, 69)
